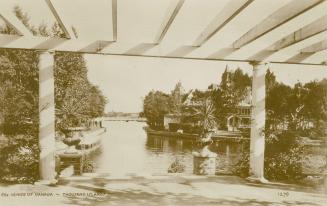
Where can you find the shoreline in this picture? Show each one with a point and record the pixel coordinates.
(221, 136)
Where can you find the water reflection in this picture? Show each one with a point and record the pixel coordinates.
(128, 149)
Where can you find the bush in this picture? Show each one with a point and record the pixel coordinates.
(186, 127)
(173, 127)
(88, 166)
(242, 167)
(157, 127)
(283, 158)
(176, 167)
(19, 161)
(286, 166)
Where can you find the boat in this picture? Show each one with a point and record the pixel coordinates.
(89, 142)
(81, 145)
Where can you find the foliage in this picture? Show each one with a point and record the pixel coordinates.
(289, 110)
(19, 115)
(283, 158)
(88, 165)
(242, 167)
(19, 159)
(205, 115)
(176, 167)
(232, 90)
(155, 106)
(19, 87)
(296, 107)
(77, 100)
(175, 100)
(186, 127)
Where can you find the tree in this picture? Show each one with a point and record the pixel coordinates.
(76, 99)
(19, 111)
(232, 90)
(277, 105)
(176, 97)
(155, 106)
(315, 102)
(205, 114)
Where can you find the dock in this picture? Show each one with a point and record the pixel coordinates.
(219, 136)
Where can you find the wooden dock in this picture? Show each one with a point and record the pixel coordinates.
(219, 136)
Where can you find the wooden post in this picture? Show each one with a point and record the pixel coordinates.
(47, 118)
(258, 118)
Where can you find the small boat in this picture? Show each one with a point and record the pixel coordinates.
(88, 143)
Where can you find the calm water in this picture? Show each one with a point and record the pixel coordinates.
(127, 149)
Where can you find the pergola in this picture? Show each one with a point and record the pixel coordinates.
(259, 32)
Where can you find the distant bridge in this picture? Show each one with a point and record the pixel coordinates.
(125, 119)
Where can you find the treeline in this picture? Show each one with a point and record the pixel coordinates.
(76, 101)
(291, 113)
(231, 90)
(301, 108)
(156, 104)
(120, 114)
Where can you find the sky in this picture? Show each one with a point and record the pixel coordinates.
(126, 80)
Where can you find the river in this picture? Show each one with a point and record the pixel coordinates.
(126, 148)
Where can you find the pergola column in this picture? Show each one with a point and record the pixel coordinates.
(258, 119)
(46, 117)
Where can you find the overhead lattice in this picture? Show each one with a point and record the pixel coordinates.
(283, 31)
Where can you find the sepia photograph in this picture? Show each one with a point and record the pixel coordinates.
(163, 102)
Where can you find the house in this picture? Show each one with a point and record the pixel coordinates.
(241, 120)
(171, 118)
(188, 102)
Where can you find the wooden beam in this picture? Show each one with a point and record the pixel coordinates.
(94, 47)
(238, 26)
(310, 30)
(172, 12)
(299, 57)
(63, 25)
(283, 14)
(308, 51)
(316, 47)
(287, 52)
(51, 43)
(232, 9)
(318, 57)
(268, 39)
(10, 18)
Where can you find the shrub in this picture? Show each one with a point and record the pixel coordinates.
(176, 167)
(19, 161)
(242, 167)
(283, 158)
(88, 166)
(173, 127)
